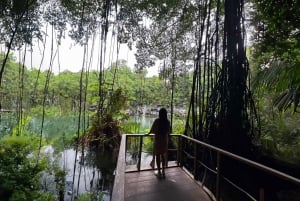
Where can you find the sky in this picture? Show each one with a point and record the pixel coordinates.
(71, 55)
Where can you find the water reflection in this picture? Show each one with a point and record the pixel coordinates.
(93, 173)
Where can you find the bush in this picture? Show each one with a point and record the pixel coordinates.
(19, 169)
(281, 135)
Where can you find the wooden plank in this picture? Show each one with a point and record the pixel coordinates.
(146, 166)
(177, 186)
(119, 182)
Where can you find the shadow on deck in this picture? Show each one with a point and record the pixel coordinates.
(177, 186)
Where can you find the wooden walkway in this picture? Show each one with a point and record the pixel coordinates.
(177, 186)
(135, 182)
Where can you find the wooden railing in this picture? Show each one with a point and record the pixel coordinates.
(119, 182)
(219, 154)
(192, 154)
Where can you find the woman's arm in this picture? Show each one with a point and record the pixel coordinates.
(154, 127)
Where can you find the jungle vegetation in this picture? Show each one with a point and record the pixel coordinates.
(60, 112)
(241, 93)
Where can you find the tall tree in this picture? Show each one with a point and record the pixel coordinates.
(231, 126)
(19, 25)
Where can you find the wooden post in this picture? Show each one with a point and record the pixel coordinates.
(178, 150)
(126, 141)
(261, 194)
(140, 153)
(218, 177)
(195, 160)
(181, 151)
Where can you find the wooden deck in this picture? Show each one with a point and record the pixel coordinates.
(177, 186)
(137, 182)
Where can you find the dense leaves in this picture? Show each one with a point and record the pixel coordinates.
(64, 88)
(277, 49)
(20, 22)
(19, 172)
(178, 34)
(275, 65)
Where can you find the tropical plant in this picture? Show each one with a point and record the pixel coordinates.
(276, 51)
(280, 134)
(90, 196)
(20, 169)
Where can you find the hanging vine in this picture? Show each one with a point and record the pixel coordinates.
(46, 91)
(226, 113)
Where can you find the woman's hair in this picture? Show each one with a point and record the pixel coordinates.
(163, 113)
(164, 124)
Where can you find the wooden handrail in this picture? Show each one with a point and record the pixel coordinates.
(118, 189)
(247, 161)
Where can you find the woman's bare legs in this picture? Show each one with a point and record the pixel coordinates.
(152, 163)
(163, 161)
(158, 164)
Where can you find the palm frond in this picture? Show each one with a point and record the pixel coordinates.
(283, 79)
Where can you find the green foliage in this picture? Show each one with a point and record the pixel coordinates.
(280, 134)
(45, 196)
(130, 127)
(63, 94)
(275, 65)
(19, 129)
(178, 125)
(104, 127)
(173, 29)
(90, 196)
(35, 196)
(277, 26)
(84, 197)
(117, 102)
(148, 144)
(20, 22)
(60, 124)
(59, 177)
(276, 50)
(19, 169)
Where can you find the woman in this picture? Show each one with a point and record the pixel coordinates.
(161, 129)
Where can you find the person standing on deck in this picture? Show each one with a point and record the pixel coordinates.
(161, 127)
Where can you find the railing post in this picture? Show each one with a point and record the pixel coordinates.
(249, 163)
(261, 194)
(218, 177)
(118, 191)
(178, 151)
(195, 160)
(140, 153)
(181, 151)
(126, 142)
